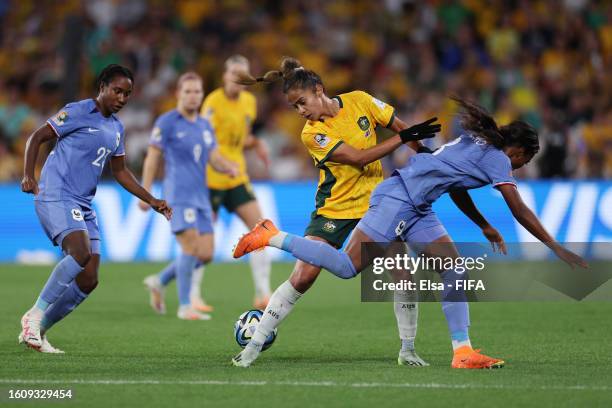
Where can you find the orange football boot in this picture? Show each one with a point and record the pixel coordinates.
(255, 239)
(466, 357)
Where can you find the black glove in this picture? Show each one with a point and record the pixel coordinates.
(424, 149)
(421, 131)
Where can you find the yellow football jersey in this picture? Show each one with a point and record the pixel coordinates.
(344, 190)
(231, 119)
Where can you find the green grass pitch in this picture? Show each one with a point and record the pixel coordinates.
(332, 351)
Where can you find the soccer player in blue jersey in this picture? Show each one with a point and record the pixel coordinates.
(87, 133)
(400, 209)
(187, 143)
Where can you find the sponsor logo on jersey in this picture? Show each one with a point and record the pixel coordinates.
(401, 226)
(189, 215)
(364, 123)
(379, 103)
(329, 226)
(60, 118)
(77, 215)
(180, 135)
(321, 139)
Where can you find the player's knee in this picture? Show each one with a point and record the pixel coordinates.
(81, 256)
(88, 284)
(204, 256)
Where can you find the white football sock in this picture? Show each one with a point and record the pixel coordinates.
(195, 293)
(260, 268)
(280, 305)
(407, 314)
(277, 240)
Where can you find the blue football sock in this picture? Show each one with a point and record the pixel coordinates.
(455, 307)
(185, 265)
(70, 299)
(61, 277)
(320, 254)
(168, 273)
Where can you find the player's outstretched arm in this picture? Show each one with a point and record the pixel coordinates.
(41, 135)
(125, 177)
(464, 202)
(527, 219)
(149, 170)
(260, 148)
(347, 154)
(222, 165)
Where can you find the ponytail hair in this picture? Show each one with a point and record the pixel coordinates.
(293, 74)
(476, 119)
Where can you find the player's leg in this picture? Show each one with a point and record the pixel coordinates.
(437, 243)
(250, 214)
(280, 305)
(64, 224)
(195, 249)
(217, 199)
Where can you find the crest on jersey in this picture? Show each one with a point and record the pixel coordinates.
(60, 118)
(189, 215)
(379, 103)
(401, 226)
(364, 123)
(77, 215)
(208, 137)
(321, 139)
(118, 139)
(156, 135)
(329, 226)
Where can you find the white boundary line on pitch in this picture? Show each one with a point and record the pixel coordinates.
(310, 384)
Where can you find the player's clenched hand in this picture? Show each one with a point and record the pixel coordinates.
(161, 207)
(569, 257)
(143, 206)
(29, 185)
(425, 130)
(495, 238)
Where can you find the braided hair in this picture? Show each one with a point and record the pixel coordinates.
(293, 74)
(476, 119)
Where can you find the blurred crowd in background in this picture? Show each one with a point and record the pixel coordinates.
(544, 61)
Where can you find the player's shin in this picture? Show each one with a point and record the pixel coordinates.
(317, 253)
(407, 313)
(281, 303)
(456, 310)
(61, 277)
(168, 273)
(70, 299)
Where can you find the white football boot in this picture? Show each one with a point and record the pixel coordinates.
(46, 347)
(247, 356)
(156, 294)
(187, 312)
(30, 329)
(411, 358)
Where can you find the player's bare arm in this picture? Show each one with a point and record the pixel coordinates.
(527, 219)
(127, 180)
(222, 165)
(464, 202)
(41, 135)
(149, 170)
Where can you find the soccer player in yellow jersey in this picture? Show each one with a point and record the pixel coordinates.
(231, 110)
(340, 136)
